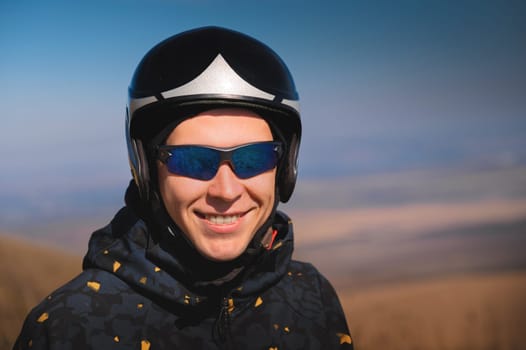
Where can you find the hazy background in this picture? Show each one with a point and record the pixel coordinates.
(412, 163)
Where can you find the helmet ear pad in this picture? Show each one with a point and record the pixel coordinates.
(138, 160)
(287, 129)
(289, 170)
(143, 170)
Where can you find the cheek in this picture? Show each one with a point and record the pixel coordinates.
(175, 200)
(262, 187)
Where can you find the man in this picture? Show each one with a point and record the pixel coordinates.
(200, 258)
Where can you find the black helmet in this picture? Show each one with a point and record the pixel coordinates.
(208, 68)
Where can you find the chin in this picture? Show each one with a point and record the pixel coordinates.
(223, 255)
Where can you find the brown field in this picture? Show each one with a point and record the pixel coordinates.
(29, 273)
(479, 312)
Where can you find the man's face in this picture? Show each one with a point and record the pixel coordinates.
(219, 216)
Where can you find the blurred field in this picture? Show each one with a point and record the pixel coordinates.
(443, 287)
(479, 312)
(29, 273)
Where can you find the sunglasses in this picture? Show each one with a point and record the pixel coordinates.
(202, 162)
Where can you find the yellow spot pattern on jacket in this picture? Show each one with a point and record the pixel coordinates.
(157, 269)
(95, 286)
(43, 317)
(143, 280)
(116, 265)
(145, 344)
(277, 245)
(231, 306)
(116, 339)
(344, 338)
(258, 302)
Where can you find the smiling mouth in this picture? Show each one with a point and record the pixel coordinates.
(222, 219)
(218, 219)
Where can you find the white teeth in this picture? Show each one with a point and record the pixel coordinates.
(222, 219)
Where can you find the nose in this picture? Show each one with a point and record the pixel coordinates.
(225, 185)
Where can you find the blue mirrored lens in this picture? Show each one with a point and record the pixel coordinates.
(201, 162)
(193, 161)
(254, 159)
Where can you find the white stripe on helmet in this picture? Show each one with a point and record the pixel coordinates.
(218, 78)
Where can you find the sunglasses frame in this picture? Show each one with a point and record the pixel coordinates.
(163, 154)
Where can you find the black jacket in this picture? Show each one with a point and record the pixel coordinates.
(134, 293)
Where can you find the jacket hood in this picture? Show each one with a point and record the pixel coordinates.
(167, 270)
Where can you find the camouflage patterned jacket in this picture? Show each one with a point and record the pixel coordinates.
(134, 294)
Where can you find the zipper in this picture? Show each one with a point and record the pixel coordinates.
(222, 324)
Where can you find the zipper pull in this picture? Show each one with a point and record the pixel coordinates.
(223, 320)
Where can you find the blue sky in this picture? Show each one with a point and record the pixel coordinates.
(384, 85)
